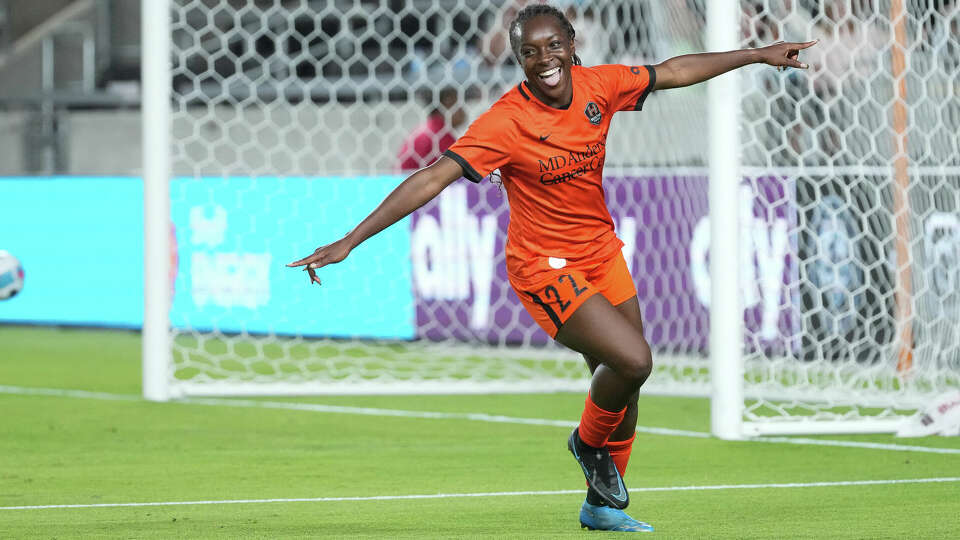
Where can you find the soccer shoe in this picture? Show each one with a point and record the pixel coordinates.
(600, 471)
(604, 518)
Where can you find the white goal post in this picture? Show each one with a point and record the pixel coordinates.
(726, 307)
(794, 236)
(155, 61)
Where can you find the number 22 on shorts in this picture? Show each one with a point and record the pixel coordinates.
(560, 294)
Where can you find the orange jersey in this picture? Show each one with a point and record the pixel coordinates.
(551, 164)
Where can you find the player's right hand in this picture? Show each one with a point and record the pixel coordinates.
(322, 256)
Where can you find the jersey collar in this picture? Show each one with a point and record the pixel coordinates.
(525, 92)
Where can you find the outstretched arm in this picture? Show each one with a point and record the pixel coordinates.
(694, 68)
(412, 193)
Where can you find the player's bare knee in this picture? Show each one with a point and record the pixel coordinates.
(640, 366)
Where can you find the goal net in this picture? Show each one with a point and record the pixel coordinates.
(289, 121)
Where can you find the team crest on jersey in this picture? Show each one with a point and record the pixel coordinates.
(593, 113)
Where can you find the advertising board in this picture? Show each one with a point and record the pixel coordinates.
(81, 244)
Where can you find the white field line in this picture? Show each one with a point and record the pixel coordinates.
(335, 409)
(370, 411)
(855, 444)
(478, 417)
(60, 392)
(497, 494)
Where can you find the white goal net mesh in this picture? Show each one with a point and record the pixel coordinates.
(865, 147)
(293, 119)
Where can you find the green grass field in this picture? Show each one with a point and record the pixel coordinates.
(106, 448)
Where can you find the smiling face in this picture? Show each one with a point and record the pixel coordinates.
(546, 54)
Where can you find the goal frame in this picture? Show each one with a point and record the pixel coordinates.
(726, 337)
(156, 109)
(726, 312)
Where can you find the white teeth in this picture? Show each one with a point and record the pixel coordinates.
(549, 72)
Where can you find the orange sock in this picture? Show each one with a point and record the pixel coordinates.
(596, 424)
(620, 452)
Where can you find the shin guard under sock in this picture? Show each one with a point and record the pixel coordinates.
(620, 452)
(596, 424)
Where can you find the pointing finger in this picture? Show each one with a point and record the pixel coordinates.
(299, 262)
(306, 260)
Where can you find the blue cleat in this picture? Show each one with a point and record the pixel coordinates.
(606, 518)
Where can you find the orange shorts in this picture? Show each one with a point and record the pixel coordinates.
(553, 300)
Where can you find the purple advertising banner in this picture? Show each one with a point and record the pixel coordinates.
(462, 293)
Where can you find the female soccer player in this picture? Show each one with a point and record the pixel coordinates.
(548, 138)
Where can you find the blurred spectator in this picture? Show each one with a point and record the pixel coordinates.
(428, 141)
(758, 28)
(849, 48)
(940, 29)
(842, 67)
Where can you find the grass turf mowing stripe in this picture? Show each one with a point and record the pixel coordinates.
(480, 417)
(843, 483)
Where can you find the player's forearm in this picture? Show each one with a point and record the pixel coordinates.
(418, 189)
(695, 68)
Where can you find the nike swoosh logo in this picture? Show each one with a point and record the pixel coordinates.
(621, 495)
(582, 466)
(544, 137)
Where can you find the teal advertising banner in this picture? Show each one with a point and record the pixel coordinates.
(80, 241)
(81, 244)
(234, 236)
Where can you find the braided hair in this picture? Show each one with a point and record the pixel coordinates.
(535, 10)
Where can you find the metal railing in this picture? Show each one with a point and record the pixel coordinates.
(40, 79)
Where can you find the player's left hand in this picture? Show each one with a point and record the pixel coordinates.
(783, 55)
